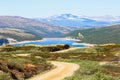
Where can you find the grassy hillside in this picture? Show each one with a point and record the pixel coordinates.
(109, 34)
(18, 34)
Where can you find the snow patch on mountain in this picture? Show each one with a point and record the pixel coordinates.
(81, 21)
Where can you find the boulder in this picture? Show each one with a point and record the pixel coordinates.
(3, 41)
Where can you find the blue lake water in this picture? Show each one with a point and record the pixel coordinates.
(52, 42)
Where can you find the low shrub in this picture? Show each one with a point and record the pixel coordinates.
(89, 70)
(20, 68)
(5, 76)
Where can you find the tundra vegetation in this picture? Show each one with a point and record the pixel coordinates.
(16, 66)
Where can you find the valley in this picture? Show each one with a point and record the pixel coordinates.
(20, 28)
(32, 50)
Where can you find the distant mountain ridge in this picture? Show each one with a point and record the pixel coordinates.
(34, 27)
(18, 27)
(81, 21)
(110, 34)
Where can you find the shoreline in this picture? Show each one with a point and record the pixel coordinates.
(45, 39)
(86, 44)
(28, 41)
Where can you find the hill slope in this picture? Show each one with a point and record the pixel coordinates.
(109, 34)
(33, 26)
(17, 34)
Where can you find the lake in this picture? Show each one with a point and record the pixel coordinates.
(70, 42)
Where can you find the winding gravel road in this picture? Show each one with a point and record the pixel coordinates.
(62, 70)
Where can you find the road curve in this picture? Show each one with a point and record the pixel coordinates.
(62, 70)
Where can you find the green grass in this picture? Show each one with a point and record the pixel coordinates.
(87, 58)
(98, 35)
(89, 70)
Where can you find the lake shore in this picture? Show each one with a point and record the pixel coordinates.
(28, 41)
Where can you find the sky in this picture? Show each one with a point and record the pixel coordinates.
(45, 8)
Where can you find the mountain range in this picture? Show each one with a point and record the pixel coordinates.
(31, 27)
(21, 28)
(81, 21)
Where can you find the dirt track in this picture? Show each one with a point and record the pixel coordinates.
(61, 71)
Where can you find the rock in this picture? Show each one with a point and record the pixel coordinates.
(3, 41)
